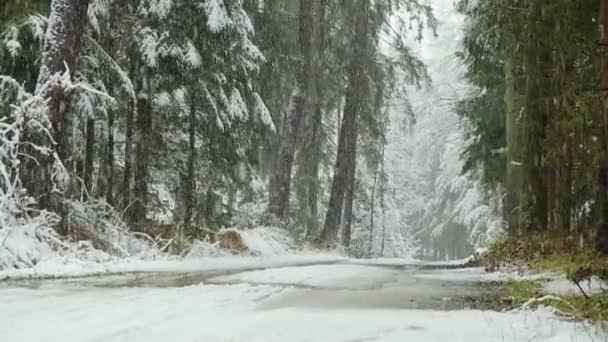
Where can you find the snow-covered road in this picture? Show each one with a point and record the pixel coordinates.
(339, 302)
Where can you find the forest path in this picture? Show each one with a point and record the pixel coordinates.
(338, 301)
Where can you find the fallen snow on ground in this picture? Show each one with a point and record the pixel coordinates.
(267, 241)
(272, 247)
(231, 313)
(397, 262)
(59, 268)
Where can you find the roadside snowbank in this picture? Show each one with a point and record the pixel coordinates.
(38, 253)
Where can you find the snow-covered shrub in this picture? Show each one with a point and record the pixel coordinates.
(102, 225)
(27, 236)
(25, 233)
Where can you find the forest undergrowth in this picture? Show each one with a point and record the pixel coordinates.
(551, 254)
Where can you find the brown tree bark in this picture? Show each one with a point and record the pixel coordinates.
(280, 180)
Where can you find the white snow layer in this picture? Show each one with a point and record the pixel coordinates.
(232, 313)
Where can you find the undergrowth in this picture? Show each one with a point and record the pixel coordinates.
(547, 252)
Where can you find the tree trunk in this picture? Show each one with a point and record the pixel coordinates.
(350, 182)
(67, 23)
(314, 148)
(356, 96)
(537, 67)
(372, 211)
(142, 150)
(280, 181)
(383, 191)
(514, 158)
(190, 186)
(311, 173)
(110, 159)
(602, 238)
(130, 118)
(89, 157)
(329, 235)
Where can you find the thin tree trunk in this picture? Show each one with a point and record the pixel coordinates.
(372, 213)
(383, 189)
(514, 158)
(142, 151)
(110, 159)
(190, 188)
(126, 183)
(280, 181)
(349, 195)
(89, 157)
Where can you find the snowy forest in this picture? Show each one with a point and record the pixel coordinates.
(176, 120)
(361, 124)
(405, 156)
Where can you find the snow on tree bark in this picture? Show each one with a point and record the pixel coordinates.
(62, 47)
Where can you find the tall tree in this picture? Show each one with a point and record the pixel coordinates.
(61, 51)
(280, 181)
(356, 97)
(602, 240)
